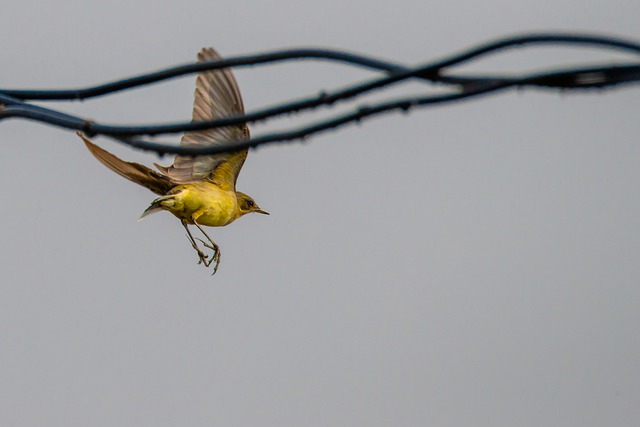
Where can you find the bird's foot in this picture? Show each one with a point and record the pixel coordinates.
(215, 259)
(203, 257)
(209, 244)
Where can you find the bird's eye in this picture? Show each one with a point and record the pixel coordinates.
(250, 203)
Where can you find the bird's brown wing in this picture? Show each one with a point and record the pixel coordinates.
(216, 96)
(140, 174)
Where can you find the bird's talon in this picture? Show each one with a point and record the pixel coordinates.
(205, 259)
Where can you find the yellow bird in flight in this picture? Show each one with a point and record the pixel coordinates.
(198, 190)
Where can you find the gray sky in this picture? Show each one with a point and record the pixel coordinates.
(475, 264)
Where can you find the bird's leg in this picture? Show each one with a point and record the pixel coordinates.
(211, 245)
(201, 255)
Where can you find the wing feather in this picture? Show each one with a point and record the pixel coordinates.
(216, 96)
(140, 174)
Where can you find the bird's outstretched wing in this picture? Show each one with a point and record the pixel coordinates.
(216, 96)
(140, 174)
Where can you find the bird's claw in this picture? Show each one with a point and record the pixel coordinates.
(215, 256)
(210, 244)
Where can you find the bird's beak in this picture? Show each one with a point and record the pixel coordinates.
(261, 211)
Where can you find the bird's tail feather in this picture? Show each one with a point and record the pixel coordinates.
(140, 174)
(155, 206)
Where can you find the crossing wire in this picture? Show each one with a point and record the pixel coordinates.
(18, 103)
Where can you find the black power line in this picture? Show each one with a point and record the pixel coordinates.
(14, 103)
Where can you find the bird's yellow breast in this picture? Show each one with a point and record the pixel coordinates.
(203, 202)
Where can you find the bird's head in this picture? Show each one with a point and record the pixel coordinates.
(248, 205)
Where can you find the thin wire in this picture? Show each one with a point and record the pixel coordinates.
(462, 87)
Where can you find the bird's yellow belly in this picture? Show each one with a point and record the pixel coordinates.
(204, 203)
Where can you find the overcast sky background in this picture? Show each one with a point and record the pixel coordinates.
(475, 264)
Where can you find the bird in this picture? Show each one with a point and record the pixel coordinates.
(199, 191)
